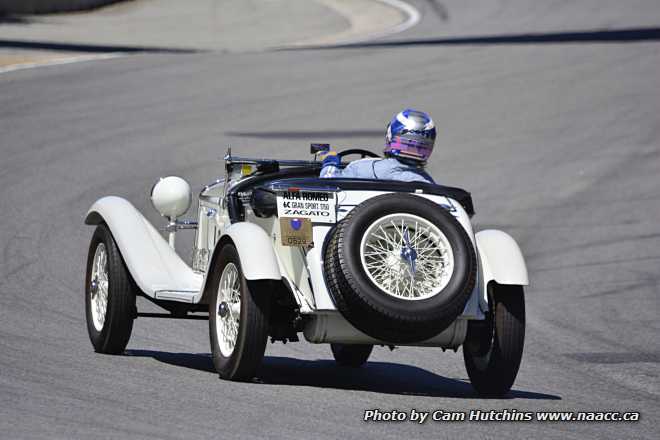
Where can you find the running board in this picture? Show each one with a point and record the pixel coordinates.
(185, 296)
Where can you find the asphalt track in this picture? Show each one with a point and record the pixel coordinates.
(557, 139)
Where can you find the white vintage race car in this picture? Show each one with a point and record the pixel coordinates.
(279, 251)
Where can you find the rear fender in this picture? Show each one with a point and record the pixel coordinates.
(500, 259)
(154, 265)
(255, 250)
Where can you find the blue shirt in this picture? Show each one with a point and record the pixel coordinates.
(382, 169)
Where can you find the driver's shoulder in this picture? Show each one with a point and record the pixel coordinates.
(362, 162)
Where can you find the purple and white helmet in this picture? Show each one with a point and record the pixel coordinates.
(410, 135)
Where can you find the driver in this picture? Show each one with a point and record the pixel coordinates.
(408, 145)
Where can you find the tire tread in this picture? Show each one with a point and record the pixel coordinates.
(508, 342)
(122, 292)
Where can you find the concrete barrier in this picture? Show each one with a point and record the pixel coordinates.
(46, 6)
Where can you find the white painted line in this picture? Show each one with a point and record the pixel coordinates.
(60, 61)
(411, 14)
(414, 16)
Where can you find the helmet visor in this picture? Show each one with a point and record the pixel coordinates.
(417, 147)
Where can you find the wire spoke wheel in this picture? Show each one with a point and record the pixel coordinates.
(406, 256)
(99, 286)
(238, 317)
(228, 315)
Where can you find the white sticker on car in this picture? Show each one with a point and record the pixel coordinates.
(318, 206)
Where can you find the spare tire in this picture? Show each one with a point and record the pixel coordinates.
(400, 268)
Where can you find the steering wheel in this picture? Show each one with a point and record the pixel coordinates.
(360, 151)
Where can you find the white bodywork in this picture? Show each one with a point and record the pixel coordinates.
(162, 274)
(331, 327)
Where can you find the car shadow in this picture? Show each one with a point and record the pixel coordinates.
(377, 377)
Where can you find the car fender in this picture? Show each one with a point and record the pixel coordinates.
(500, 259)
(255, 250)
(153, 264)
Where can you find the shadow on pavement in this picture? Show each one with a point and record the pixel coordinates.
(88, 48)
(378, 377)
(306, 134)
(15, 19)
(604, 36)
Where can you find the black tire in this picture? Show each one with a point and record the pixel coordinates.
(250, 345)
(348, 355)
(120, 312)
(493, 349)
(373, 311)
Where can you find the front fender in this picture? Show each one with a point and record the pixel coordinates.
(500, 258)
(154, 265)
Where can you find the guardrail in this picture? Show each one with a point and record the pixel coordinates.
(46, 6)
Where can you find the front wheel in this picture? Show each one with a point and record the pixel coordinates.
(238, 319)
(493, 348)
(109, 295)
(349, 355)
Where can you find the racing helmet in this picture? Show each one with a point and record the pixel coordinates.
(410, 136)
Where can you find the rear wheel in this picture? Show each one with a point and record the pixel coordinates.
(109, 295)
(493, 348)
(238, 319)
(349, 355)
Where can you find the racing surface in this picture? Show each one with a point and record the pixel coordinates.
(557, 136)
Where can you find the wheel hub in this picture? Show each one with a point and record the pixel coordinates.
(409, 255)
(94, 287)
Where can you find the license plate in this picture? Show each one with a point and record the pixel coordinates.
(317, 206)
(296, 231)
